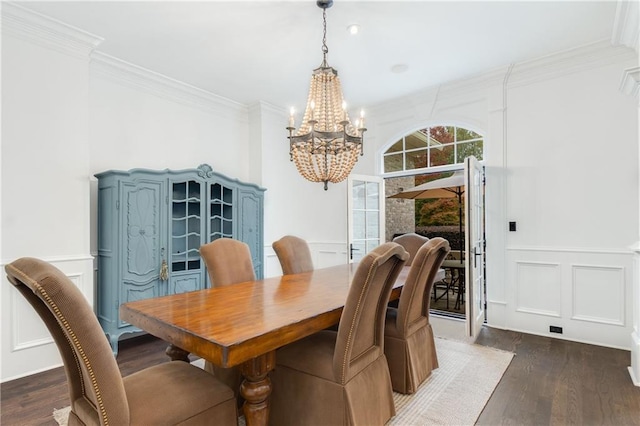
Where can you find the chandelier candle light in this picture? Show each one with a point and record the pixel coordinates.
(326, 146)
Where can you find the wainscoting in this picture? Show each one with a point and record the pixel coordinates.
(27, 346)
(324, 254)
(586, 293)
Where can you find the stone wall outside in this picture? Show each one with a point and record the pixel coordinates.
(400, 213)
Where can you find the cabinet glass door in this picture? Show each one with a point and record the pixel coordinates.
(186, 226)
(220, 212)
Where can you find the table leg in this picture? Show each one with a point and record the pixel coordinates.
(256, 388)
(177, 354)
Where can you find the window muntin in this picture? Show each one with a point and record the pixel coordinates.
(433, 146)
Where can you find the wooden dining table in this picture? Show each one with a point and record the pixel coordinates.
(243, 324)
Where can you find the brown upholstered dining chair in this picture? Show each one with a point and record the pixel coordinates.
(228, 262)
(294, 255)
(409, 343)
(342, 378)
(173, 392)
(411, 242)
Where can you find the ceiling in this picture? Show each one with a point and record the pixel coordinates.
(250, 51)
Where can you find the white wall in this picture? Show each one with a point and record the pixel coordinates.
(294, 205)
(561, 149)
(139, 119)
(45, 172)
(573, 189)
(69, 112)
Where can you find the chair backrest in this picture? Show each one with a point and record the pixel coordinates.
(294, 255)
(361, 331)
(91, 369)
(411, 242)
(416, 293)
(228, 262)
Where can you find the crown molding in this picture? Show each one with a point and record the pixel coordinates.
(266, 107)
(630, 84)
(134, 76)
(490, 78)
(626, 26)
(25, 24)
(581, 58)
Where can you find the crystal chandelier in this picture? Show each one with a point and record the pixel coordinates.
(326, 146)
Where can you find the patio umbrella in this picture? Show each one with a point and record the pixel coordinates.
(449, 187)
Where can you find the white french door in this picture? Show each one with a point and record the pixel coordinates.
(474, 245)
(365, 202)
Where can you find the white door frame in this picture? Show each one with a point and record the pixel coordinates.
(350, 210)
(474, 246)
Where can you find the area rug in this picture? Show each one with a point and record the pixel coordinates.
(455, 394)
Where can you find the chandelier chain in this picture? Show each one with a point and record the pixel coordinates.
(325, 49)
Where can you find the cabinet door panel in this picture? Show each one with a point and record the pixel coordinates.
(141, 210)
(184, 283)
(249, 227)
(135, 291)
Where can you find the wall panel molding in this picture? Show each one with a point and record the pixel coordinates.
(622, 251)
(586, 292)
(535, 283)
(23, 23)
(22, 342)
(598, 294)
(57, 259)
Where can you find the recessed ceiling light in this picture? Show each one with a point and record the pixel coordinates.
(399, 68)
(353, 29)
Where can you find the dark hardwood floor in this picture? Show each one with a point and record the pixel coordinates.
(549, 382)
(557, 382)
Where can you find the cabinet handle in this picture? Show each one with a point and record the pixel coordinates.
(164, 269)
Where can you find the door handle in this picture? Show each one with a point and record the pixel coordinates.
(351, 250)
(475, 257)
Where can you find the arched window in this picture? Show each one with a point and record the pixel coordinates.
(431, 147)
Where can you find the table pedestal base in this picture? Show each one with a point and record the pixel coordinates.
(256, 388)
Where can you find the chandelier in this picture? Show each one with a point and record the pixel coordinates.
(326, 146)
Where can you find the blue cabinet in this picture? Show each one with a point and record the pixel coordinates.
(151, 224)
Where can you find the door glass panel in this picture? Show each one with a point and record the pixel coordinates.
(372, 224)
(372, 201)
(359, 195)
(359, 224)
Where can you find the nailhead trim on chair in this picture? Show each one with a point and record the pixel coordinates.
(74, 340)
(347, 348)
(374, 266)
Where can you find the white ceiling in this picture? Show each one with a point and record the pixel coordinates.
(266, 50)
